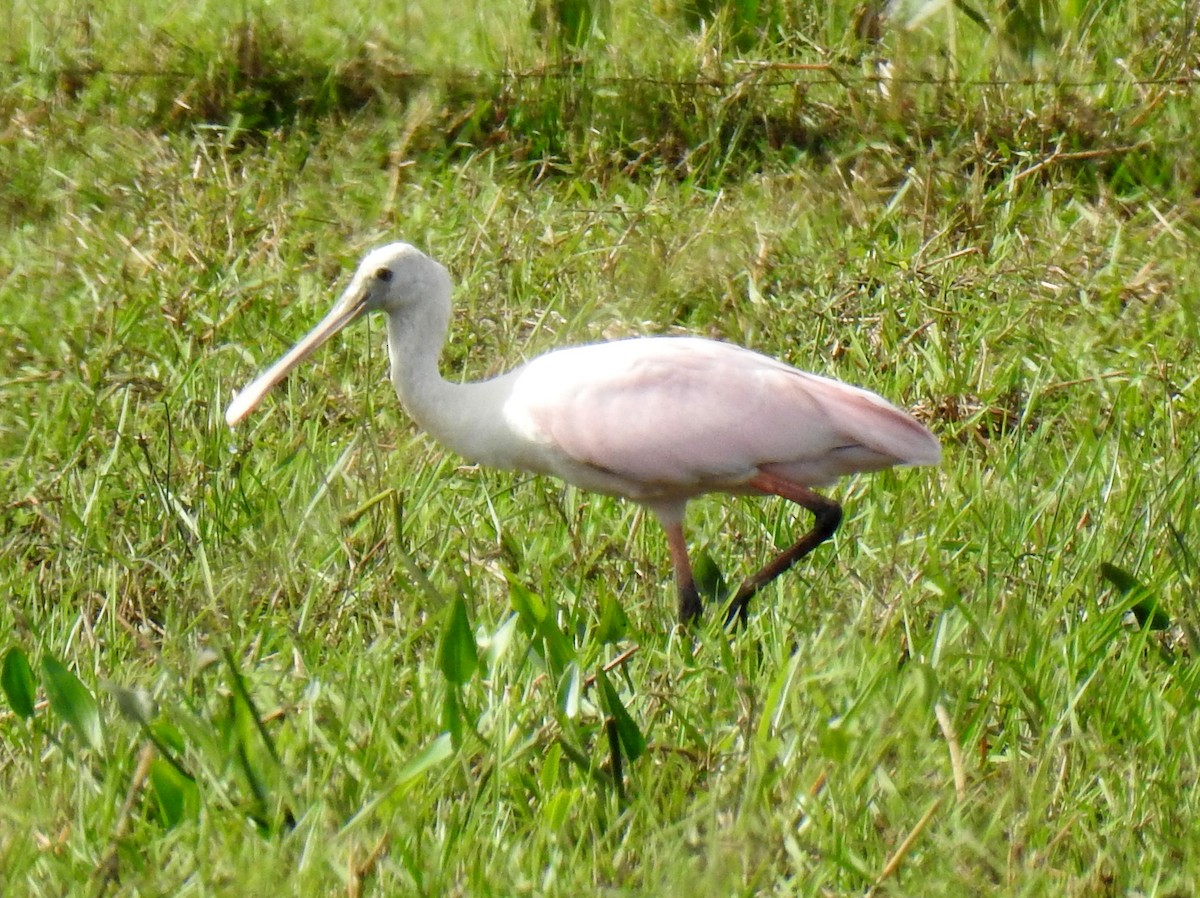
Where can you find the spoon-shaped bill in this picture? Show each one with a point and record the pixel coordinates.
(352, 305)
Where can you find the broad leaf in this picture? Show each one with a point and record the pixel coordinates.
(710, 582)
(614, 623)
(630, 734)
(1142, 604)
(176, 795)
(538, 619)
(72, 701)
(458, 656)
(452, 716)
(16, 678)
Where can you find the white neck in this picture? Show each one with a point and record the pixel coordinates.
(466, 418)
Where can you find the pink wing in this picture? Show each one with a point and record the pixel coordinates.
(682, 413)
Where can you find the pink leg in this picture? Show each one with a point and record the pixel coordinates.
(689, 599)
(827, 514)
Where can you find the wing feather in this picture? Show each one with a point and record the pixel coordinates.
(684, 413)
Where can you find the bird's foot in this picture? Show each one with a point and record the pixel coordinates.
(690, 604)
(738, 609)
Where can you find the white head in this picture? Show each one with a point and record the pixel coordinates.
(398, 279)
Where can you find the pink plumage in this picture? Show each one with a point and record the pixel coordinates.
(683, 416)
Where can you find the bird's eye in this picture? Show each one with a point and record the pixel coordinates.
(383, 274)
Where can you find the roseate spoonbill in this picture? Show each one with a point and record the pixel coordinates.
(659, 420)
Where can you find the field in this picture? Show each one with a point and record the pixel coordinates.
(320, 655)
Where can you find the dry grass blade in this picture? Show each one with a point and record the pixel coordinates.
(902, 850)
(952, 745)
(108, 871)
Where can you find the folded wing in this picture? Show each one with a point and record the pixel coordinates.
(692, 414)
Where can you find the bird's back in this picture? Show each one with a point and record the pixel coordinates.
(665, 416)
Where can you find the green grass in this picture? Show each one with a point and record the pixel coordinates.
(951, 698)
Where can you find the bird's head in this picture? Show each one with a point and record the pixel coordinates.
(397, 279)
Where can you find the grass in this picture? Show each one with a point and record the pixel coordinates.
(268, 683)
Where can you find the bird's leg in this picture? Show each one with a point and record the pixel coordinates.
(690, 604)
(827, 515)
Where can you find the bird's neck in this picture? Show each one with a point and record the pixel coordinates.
(459, 416)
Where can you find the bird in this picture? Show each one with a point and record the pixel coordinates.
(659, 420)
